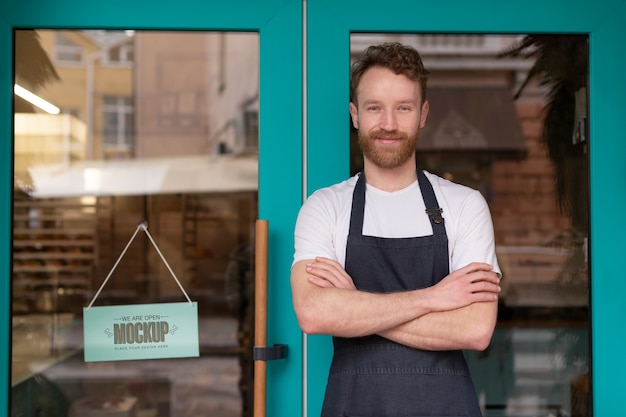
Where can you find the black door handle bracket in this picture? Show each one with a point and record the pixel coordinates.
(269, 353)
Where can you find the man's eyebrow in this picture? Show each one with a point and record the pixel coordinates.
(401, 102)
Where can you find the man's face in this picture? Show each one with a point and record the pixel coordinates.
(388, 117)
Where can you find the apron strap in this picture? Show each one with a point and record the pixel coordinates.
(433, 209)
(358, 201)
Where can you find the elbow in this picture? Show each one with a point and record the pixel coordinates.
(308, 302)
(309, 325)
(480, 340)
(309, 321)
(483, 328)
(481, 344)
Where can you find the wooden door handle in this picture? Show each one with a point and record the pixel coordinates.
(262, 353)
(260, 315)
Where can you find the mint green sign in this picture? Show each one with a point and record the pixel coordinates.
(141, 331)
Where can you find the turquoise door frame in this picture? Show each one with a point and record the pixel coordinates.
(329, 24)
(279, 23)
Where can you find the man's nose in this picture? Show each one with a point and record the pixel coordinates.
(388, 121)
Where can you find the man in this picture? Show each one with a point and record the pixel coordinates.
(373, 260)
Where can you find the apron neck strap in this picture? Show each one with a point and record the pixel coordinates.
(430, 201)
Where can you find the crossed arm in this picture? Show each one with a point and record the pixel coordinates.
(459, 312)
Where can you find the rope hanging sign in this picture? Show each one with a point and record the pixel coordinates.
(140, 331)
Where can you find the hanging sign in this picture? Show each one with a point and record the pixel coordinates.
(140, 331)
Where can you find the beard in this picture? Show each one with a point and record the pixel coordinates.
(387, 157)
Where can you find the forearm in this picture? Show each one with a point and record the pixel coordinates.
(351, 313)
(326, 301)
(469, 327)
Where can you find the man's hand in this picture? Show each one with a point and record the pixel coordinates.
(328, 273)
(474, 283)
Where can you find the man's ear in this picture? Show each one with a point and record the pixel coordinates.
(424, 115)
(354, 114)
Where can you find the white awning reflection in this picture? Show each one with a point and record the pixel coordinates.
(192, 174)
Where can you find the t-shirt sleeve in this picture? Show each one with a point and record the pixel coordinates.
(313, 232)
(475, 239)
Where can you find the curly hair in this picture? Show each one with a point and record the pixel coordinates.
(399, 58)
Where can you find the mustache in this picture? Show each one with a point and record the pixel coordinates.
(394, 134)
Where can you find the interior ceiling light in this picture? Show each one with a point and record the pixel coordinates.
(35, 100)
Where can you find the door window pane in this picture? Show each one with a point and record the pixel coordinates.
(162, 128)
(523, 144)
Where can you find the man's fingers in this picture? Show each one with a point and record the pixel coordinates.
(485, 297)
(329, 265)
(474, 267)
(331, 271)
(486, 287)
(483, 276)
(320, 282)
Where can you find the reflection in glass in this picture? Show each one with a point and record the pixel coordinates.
(155, 126)
(522, 141)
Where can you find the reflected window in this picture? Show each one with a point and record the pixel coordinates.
(117, 118)
(121, 55)
(66, 51)
(250, 130)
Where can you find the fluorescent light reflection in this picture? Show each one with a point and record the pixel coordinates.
(92, 178)
(35, 100)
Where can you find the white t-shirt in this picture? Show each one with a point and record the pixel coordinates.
(323, 221)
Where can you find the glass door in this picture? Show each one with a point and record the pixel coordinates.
(335, 33)
(175, 119)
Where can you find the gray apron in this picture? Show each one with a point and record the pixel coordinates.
(375, 377)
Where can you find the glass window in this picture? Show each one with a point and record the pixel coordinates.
(158, 141)
(522, 142)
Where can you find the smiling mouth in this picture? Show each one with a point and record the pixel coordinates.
(388, 139)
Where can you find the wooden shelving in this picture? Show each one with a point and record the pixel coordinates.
(54, 253)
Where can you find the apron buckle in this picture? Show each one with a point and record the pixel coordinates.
(435, 214)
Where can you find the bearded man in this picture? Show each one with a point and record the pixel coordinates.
(397, 264)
